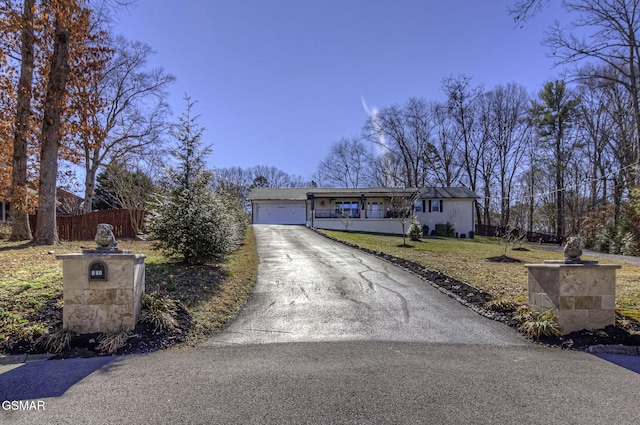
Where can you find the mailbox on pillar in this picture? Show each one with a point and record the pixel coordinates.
(98, 271)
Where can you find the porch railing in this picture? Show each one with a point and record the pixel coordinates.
(331, 213)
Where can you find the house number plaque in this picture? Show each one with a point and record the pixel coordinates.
(98, 271)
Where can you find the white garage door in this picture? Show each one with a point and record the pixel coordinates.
(280, 213)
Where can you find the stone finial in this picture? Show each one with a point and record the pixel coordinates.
(573, 249)
(104, 236)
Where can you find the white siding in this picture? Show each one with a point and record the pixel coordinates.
(458, 212)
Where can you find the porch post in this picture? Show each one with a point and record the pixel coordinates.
(312, 198)
(363, 211)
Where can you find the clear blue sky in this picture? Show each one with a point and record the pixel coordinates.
(278, 81)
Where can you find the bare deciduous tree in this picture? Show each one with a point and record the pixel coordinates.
(462, 100)
(131, 119)
(404, 133)
(509, 133)
(346, 165)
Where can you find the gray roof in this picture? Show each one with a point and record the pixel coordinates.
(270, 194)
(300, 194)
(447, 192)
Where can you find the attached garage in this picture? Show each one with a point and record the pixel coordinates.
(278, 206)
(291, 212)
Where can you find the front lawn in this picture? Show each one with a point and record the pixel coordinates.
(467, 260)
(206, 296)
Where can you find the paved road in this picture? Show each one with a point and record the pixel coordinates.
(402, 353)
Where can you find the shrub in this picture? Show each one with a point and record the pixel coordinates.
(463, 235)
(445, 230)
(471, 234)
(415, 231)
(629, 246)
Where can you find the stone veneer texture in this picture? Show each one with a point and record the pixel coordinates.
(102, 305)
(582, 296)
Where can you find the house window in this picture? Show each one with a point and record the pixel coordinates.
(417, 206)
(374, 210)
(435, 205)
(347, 209)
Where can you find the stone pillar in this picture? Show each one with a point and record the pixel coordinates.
(582, 294)
(102, 290)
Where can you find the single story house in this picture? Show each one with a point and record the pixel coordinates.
(364, 209)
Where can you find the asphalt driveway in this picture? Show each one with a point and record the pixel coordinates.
(330, 335)
(312, 289)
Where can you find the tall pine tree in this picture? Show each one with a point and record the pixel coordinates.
(189, 221)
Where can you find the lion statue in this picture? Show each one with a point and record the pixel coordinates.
(104, 236)
(573, 249)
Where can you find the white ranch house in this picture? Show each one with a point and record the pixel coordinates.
(363, 209)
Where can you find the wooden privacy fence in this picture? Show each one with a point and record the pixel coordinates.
(482, 230)
(83, 227)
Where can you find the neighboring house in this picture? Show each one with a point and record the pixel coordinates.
(363, 209)
(67, 203)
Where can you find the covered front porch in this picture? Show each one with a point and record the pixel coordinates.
(365, 211)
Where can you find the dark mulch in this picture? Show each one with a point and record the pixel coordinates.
(476, 299)
(144, 339)
(503, 259)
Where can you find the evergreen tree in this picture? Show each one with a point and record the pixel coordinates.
(189, 221)
(554, 116)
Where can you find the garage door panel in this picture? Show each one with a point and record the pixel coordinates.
(280, 213)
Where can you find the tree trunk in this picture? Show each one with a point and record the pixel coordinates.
(46, 231)
(559, 186)
(19, 213)
(91, 169)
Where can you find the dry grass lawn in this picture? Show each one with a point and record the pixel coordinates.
(31, 287)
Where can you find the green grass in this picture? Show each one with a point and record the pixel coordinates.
(466, 259)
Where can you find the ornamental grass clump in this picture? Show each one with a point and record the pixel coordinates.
(536, 325)
(110, 342)
(159, 311)
(59, 340)
(501, 305)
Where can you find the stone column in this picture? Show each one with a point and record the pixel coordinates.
(102, 291)
(582, 294)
